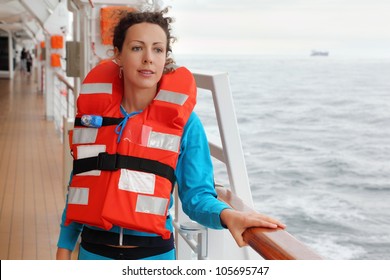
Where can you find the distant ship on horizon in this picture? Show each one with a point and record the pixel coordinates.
(319, 53)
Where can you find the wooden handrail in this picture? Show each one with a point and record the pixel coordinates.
(271, 244)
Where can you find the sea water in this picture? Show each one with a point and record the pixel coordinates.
(316, 139)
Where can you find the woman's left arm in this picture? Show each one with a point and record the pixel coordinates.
(195, 178)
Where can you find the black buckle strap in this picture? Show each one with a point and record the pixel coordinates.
(107, 162)
(111, 238)
(106, 121)
(113, 162)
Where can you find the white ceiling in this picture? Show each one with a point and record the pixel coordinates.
(12, 11)
(18, 17)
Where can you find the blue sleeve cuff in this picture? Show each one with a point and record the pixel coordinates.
(218, 221)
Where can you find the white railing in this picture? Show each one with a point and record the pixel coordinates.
(63, 103)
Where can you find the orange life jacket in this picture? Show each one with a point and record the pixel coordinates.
(127, 183)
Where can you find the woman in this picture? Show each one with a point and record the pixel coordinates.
(142, 44)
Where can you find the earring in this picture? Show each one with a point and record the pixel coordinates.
(120, 72)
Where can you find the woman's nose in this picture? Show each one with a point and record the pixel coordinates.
(147, 57)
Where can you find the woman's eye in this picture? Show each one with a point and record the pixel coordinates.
(136, 48)
(159, 50)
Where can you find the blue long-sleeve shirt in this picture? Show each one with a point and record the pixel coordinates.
(195, 181)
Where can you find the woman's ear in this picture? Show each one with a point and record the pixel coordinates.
(117, 56)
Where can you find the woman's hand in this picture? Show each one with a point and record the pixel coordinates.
(63, 254)
(237, 222)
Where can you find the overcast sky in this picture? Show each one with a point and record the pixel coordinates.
(342, 27)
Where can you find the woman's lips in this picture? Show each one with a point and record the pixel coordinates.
(145, 72)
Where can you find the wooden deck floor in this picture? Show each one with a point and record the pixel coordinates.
(31, 196)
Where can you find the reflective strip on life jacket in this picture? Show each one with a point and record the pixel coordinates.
(78, 195)
(172, 97)
(135, 181)
(86, 151)
(151, 205)
(164, 141)
(92, 88)
(84, 135)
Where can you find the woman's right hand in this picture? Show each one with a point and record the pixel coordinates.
(237, 222)
(63, 254)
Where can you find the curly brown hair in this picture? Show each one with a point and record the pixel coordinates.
(133, 18)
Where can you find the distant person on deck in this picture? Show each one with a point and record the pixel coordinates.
(23, 60)
(29, 61)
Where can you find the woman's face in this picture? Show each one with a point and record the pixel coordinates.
(143, 55)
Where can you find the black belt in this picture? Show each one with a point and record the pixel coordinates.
(111, 162)
(118, 253)
(112, 238)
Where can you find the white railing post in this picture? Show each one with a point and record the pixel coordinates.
(218, 84)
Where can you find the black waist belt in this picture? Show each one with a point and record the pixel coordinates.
(125, 253)
(112, 162)
(111, 238)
